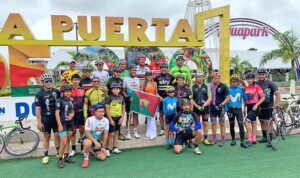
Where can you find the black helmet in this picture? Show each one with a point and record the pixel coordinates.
(261, 71)
(164, 65)
(115, 85)
(67, 87)
(179, 57)
(250, 75)
(180, 76)
(132, 66)
(117, 69)
(148, 73)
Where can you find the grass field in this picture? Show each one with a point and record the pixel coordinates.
(227, 162)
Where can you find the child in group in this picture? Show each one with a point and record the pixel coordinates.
(169, 108)
(254, 97)
(115, 111)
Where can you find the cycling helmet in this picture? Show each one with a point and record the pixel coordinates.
(141, 56)
(115, 85)
(86, 68)
(46, 76)
(250, 75)
(261, 71)
(170, 89)
(100, 61)
(179, 57)
(67, 87)
(148, 73)
(199, 74)
(117, 69)
(132, 66)
(122, 61)
(184, 101)
(235, 77)
(164, 65)
(99, 105)
(180, 76)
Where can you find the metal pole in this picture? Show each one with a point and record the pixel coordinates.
(76, 28)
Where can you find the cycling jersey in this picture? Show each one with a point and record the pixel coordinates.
(155, 69)
(67, 75)
(96, 126)
(200, 93)
(269, 88)
(65, 107)
(124, 73)
(163, 81)
(184, 121)
(46, 100)
(102, 75)
(237, 95)
(112, 80)
(92, 97)
(182, 92)
(183, 70)
(131, 83)
(77, 95)
(253, 93)
(86, 83)
(140, 72)
(170, 105)
(218, 93)
(115, 104)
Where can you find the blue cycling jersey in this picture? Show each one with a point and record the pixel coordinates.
(170, 105)
(237, 95)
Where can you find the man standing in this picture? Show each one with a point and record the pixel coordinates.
(141, 68)
(86, 81)
(45, 113)
(100, 72)
(163, 80)
(181, 69)
(67, 75)
(201, 100)
(220, 96)
(266, 108)
(123, 65)
(155, 66)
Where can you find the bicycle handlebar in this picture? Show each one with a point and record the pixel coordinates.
(294, 95)
(19, 121)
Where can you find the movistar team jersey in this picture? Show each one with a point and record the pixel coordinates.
(46, 100)
(183, 70)
(92, 97)
(163, 81)
(65, 107)
(237, 95)
(170, 105)
(96, 126)
(115, 104)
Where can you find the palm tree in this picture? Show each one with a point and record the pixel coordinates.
(288, 50)
(238, 66)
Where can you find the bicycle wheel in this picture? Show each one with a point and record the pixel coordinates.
(274, 135)
(21, 142)
(1, 143)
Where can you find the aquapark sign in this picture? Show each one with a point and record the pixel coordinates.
(22, 45)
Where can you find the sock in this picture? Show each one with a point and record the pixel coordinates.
(162, 128)
(249, 137)
(205, 136)
(66, 155)
(171, 141)
(195, 145)
(264, 133)
(271, 136)
(60, 158)
(254, 137)
(57, 149)
(46, 152)
(73, 147)
(135, 129)
(214, 137)
(222, 138)
(86, 156)
(167, 141)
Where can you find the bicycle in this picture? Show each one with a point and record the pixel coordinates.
(292, 113)
(20, 140)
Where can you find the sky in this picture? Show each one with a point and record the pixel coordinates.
(283, 15)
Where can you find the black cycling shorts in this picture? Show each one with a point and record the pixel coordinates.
(204, 114)
(251, 114)
(182, 138)
(78, 120)
(127, 105)
(68, 126)
(160, 106)
(116, 127)
(168, 119)
(265, 113)
(49, 123)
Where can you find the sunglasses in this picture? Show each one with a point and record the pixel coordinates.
(48, 82)
(171, 92)
(96, 81)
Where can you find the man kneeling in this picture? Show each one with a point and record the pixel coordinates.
(96, 129)
(182, 126)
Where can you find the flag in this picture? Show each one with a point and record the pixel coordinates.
(297, 68)
(144, 103)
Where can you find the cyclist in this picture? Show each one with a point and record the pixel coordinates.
(123, 65)
(266, 108)
(182, 126)
(155, 66)
(181, 69)
(255, 96)
(115, 111)
(163, 80)
(116, 78)
(141, 67)
(201, 101)
(131, 83)
(93, 96)
(86, 81)
(64, 114)
(95, 135)
(67, 75)
(234, 109)
(77, 95)
(45, 113)
(100, 72)
(169, 108)
(182, 90)
(220, 96)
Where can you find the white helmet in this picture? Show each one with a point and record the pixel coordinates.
(46, 76)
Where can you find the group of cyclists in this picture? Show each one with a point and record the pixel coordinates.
(96, 104)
